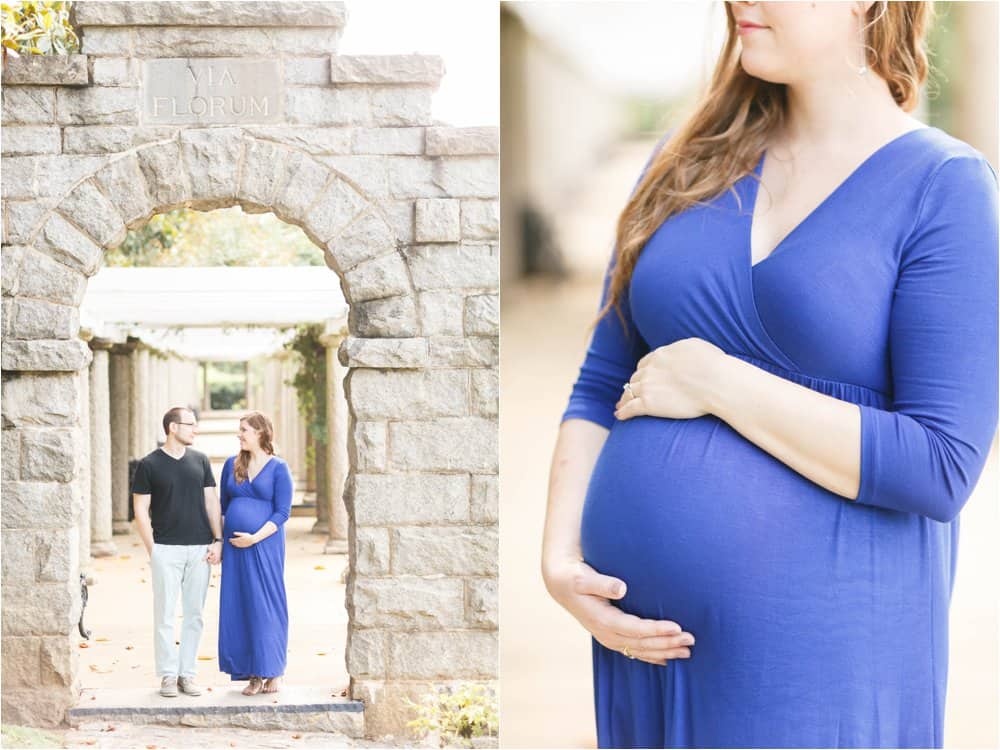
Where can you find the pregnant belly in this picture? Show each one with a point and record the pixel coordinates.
(246, 514)
(702, 524)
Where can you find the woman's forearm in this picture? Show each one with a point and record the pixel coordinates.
(816, 435)
(264, 531)
(573, 459)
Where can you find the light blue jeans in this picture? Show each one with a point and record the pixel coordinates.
(178, 569)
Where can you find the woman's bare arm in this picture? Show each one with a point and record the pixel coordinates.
(818, 436)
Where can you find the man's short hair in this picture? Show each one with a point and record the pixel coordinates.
(174, 415)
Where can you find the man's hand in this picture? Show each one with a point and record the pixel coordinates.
(214, 553)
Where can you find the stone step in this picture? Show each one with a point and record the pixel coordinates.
(309, 709)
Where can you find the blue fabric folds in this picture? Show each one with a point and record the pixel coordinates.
(819, 621)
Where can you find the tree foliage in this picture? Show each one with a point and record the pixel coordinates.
(224, 237)
(37, 28)
(151, 243)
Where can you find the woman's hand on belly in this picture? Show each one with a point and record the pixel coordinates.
(587, 595)
(672, 381)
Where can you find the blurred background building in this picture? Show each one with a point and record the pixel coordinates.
(587, 88)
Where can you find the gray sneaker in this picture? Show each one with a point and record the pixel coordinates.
(188, 686)
(168, 687)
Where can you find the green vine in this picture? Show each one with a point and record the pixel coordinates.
(309, 381)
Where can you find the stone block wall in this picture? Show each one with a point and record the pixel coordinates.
(406, 212)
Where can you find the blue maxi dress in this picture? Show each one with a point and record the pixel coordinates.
(820, 621)
(253, 606)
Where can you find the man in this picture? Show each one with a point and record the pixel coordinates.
(178, 516)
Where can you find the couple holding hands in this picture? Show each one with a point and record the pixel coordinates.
(187, 526)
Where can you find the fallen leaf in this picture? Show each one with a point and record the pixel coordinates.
(150, 747)
(321, 653)
(343, 693)
(102, 640)
(124, 557)
(90, 742)
(99, 670)
(129, 648)
(142, 580)
(93, 697)
(232, 744)
(274, 701)
(319, 567)
(205, 658)
(295, 736)
(208, 689)
(84, 645)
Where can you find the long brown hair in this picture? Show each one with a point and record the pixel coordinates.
(263, 425)
(725, 136)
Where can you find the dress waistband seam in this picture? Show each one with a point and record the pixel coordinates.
(765, 364)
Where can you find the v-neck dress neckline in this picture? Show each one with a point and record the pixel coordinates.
(819, 207)
(262, 468)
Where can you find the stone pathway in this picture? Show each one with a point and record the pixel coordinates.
(152, 737)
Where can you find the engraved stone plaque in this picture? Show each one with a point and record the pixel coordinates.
(210, 91)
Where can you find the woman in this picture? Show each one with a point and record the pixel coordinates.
(256, 494)
(789, 395)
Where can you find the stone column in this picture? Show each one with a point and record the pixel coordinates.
(155, 398)
(122, 418)
(139, 426)
(101, 544)
(163, 398)
(336, 447)
(85, 473)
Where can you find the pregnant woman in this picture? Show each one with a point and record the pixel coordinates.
(256, 494)
(790, 393)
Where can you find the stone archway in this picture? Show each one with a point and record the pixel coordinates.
(406, 214)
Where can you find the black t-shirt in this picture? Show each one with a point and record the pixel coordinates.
(177, 487)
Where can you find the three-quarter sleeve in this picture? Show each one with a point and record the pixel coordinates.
(926, 454)
(281, 501)
(224, 496)
(614, 351)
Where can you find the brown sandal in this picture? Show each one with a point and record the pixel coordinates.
(253, 687)
(272, 685)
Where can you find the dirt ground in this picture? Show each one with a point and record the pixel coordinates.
(120, 617)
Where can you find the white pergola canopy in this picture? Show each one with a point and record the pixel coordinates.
(218, 313)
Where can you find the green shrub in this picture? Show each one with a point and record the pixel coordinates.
(457, 715)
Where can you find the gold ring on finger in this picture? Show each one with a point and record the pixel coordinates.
(625, 651)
